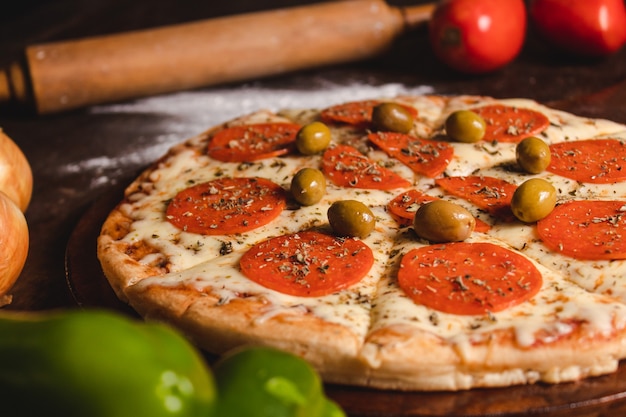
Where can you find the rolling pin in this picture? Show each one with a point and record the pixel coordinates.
(59, 76)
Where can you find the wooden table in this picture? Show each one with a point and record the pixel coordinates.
(80, 156)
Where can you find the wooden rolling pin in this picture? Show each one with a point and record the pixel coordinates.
(59, 76)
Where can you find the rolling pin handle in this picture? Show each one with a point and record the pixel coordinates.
(417, 16)
(15, 86)
(67, 75)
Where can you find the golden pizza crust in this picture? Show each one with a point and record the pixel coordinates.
(218, 327)
(409, 359)
(392, 356)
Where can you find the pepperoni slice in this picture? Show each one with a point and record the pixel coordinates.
(490, 194)
(307, 264)
(226, 206)
(246, 143)
(586, 229)
(356, 113)
(345, 166)
(481, 226)
(511, 124)
(599, 161)
(424, 157)
(468, 278)
(404, 206)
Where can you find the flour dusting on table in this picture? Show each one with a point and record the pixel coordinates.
(199, 110)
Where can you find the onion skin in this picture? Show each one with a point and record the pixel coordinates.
(16, 177)
(14, 244)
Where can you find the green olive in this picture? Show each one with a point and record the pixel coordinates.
(465, 126)
(533, 155)
(313, 138)
(443, 221)
(392, 117)
(533, 200)
(351, 218)
(308, 186)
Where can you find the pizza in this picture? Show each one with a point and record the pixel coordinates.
(388, 241)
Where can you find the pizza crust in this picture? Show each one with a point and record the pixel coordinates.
(408, 359)
(120, 261)
(219, 327)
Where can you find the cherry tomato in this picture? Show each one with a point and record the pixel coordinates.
(587, 28)
(478, 36)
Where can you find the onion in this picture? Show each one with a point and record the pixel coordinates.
(14, 243)
(16, 177)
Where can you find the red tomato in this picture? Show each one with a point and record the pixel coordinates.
(478, 36)
(589, 27)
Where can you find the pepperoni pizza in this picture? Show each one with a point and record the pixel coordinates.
(224, 239)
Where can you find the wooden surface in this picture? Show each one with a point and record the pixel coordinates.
(79, 157)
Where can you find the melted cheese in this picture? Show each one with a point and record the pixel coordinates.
(601, 277)
(210, 263)
(557, 302)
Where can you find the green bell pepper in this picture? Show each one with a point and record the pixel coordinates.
(265, 382)
(99, 364)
